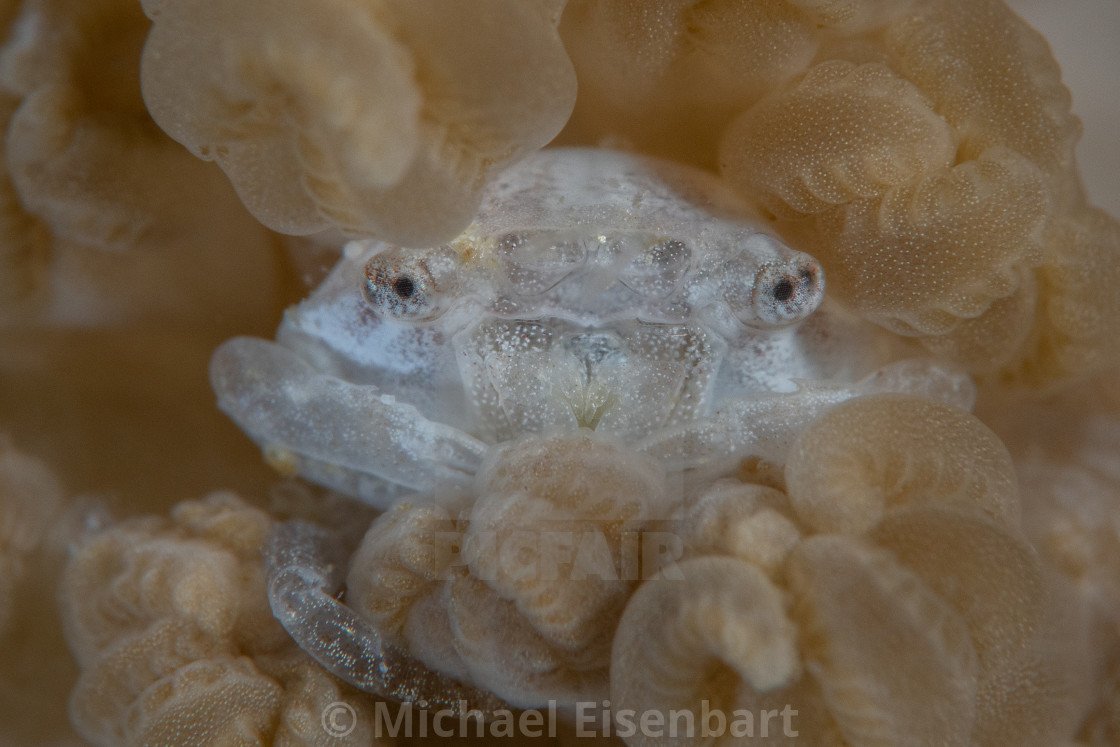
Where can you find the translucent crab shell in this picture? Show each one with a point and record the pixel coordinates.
(595, 289)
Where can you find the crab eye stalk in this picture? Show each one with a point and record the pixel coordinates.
(408, 287)
(771, 285)
(788, 292)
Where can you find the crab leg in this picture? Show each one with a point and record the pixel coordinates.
(331, 431)
(765, 425)
(304, 570)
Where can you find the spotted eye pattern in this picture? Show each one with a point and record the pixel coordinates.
(787, 292)
(402, 288)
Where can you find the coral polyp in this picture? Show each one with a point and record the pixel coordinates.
(683, 371)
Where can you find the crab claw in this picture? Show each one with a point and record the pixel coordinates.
(346, 436)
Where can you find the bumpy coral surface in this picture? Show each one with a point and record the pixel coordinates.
(889, 636)
(520, 593)
(379, 117)
(658, 446)
(171, 625)
(889, 140)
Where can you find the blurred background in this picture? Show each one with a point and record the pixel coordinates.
(1085, 37)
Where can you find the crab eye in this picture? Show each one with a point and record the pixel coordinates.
(408, 288)
(771, 285)
(784, 293)
(404, 287)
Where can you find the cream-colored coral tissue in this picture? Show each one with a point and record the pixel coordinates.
(560, 372)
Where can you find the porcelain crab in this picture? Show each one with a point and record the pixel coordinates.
(595, 291)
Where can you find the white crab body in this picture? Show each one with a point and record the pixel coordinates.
(607, 325)
(595, 289)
